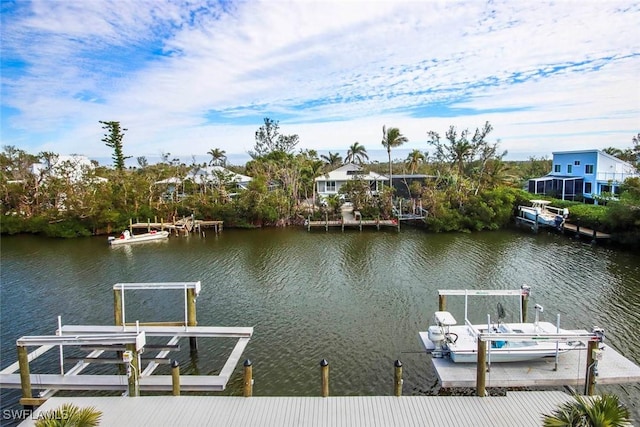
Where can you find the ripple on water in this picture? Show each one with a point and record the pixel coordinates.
(355, 298)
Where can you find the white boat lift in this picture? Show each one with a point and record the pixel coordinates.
(604, 365)
(129, 342)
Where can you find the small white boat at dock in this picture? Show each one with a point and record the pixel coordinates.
(542, 214)
(126, 237)
(459, 343)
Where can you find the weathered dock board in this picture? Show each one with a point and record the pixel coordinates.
(583, 231)
(515, 409)
(614, 368)
(353, 224)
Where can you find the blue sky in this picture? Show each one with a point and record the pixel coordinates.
(187, 76)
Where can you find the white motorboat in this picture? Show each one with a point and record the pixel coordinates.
(126, 237)
(459, 343)
(543, 214)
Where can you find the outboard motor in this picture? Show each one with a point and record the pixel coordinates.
(439, 334)
(436, 336)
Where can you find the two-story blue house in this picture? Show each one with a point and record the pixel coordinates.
(586, 174)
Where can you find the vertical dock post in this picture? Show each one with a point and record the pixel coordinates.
(481, 369)
(25, 376)
(326, 221)
(118, 321)
(591, 372)
(175, 378)
(248, 379)
(442, 303)
(592, 361)
(117, 307)
(133, 371)
(524, 301)
(131, 225)
(324, 373)
(398, 378)
(191, 317)
(535, 224)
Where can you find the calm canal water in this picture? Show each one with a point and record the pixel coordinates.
(357, 299)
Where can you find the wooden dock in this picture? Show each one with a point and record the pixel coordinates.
(184, 225)
(521, 409)
(359, 223)
(584, 231)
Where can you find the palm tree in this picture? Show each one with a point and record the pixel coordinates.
(414, 159)
(218, 157)
(392, 138)
(356, 154)
(332, 160)
(70, 415)
(605, 410)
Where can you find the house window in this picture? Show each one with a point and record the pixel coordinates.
(330, 186)
(587, 188)
(569, 168)
(557, 168)
(576, 163)
(588, 169)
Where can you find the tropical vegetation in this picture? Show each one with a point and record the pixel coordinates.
(69, 415)
(466, 186)
(584, 411)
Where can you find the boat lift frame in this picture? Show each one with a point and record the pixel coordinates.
(128, 341)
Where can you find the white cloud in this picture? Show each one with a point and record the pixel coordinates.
(546, 75)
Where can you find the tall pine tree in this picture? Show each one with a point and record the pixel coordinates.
(113, 139)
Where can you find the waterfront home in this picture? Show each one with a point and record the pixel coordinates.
(210, 176)
(329, 184)
(587, 174)
(73, 168)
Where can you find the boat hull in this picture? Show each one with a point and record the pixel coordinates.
(545, 219)
(140, 238)
(465, 349)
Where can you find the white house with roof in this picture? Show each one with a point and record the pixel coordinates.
(74, 167)
(210, 175)
(587, 174)
(329, 184)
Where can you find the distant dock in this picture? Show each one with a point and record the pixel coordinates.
(184, 225)
(354, 223)
(584, 231)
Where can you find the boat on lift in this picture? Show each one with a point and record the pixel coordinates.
(544, 215)
(446, 339)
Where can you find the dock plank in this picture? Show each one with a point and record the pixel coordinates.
(516, 408)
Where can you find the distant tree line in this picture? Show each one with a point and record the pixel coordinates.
(470, 187)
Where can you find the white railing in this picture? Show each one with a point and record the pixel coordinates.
(614, 176)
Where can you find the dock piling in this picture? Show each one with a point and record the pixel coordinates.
(324, 373)
(524, 301)
(175, 378)
(248, 378)
(133, 370)
(442, 303)
(481, 370)
(398, 378)
(191, 317)
(25, 376)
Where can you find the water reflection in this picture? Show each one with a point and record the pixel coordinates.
(354, 298)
